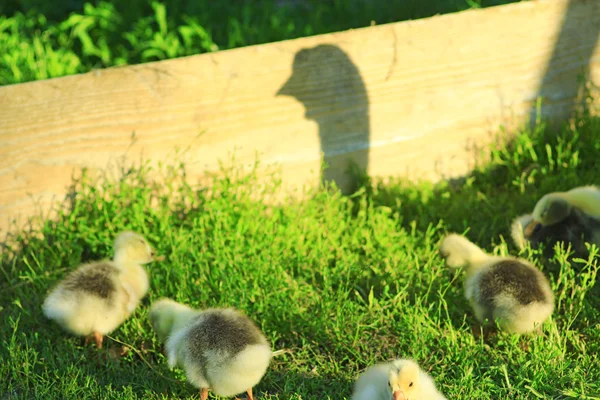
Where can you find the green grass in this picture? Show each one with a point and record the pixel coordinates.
(342, 282)
(40, 39)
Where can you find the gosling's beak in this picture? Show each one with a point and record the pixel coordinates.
(155, 257)
(532, 227)
(398, 395)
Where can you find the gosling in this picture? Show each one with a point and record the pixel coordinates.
(96, 298)
(219, 349)
(401, 379)
(508, 290)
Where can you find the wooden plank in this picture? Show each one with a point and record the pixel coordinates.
(404, 98)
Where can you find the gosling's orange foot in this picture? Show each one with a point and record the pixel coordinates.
(98, 338)
(203, 394)
(250, 396)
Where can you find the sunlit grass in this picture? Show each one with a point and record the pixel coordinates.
(341, 282)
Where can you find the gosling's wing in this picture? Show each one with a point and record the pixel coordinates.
(96, 279)
(82, 297)
(512, 279)
(227, 331)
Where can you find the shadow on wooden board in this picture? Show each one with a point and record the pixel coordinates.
(329, 85)
(562, 86)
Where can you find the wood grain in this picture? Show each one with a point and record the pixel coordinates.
(400, 99)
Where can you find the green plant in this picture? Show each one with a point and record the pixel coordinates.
(340, 281)
(40, 39)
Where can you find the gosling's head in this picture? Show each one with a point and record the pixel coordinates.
(163, 315)
(549, 210)
(404, 380)
(131, 247)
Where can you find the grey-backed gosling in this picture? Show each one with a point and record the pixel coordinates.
(571, 217)
(219, 349)
(398, 380)
(94, 299)
(508, 290)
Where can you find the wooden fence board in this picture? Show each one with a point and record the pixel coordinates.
(404, 98)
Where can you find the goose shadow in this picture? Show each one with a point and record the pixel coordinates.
(329, 85)
(564, 87)
(307, 385)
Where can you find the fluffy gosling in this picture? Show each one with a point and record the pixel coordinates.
(96, 298)
(508, 290)
(398, 380)
(219, 349)
(571, 217)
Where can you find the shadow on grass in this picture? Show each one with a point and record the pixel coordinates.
(305, 386)
(507, 182)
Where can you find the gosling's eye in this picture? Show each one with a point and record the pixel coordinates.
(410, 384)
